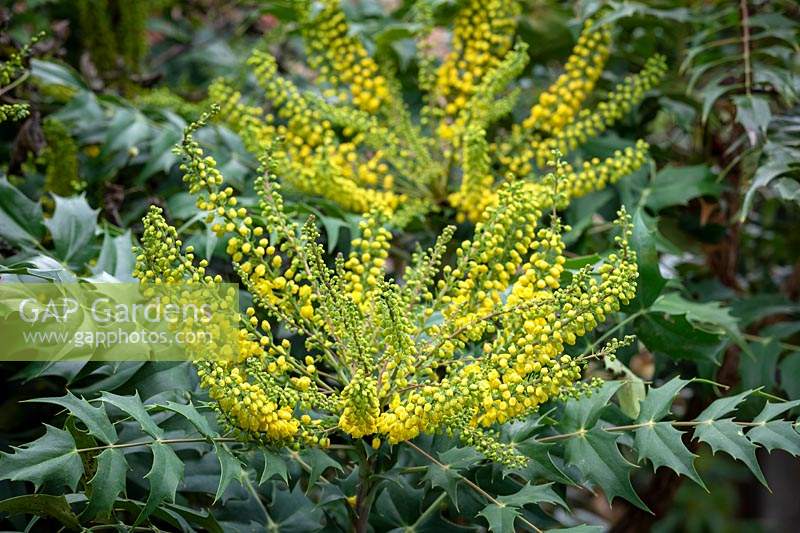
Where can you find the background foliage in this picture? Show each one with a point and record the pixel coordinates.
(714, 214)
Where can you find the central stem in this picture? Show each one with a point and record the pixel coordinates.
(364, 494)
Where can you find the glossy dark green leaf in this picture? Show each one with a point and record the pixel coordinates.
(52, 460)
(55, 507)
(133, 406)
(677, 185)
(230, 468)
(500, 517)
(273, 465)
(758, 368)
(661, 444)
(777, 435)
(674, 337)
(107, 484)
(319, 462)
(116, 257)
(72, 226)
(722, 406)
(726, 436)
(790, 369)
(445, 478)
(534, 494)
(164, 476)
(21, 219)
(197, 419)
(596, 455)
(95, 418)
(772, 410)
(659, 400)
(583, 413)
(650, 283)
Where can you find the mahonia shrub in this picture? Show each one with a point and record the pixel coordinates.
(357, 142)
(454, 349)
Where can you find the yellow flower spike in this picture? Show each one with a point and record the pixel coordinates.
(355, 142)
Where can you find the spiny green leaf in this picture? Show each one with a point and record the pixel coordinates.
(534, 494)
(675, 337)
(319, 462)
(584, 412)
(597, 456)
(722, 406)
(42, 505)
(230, 469)
(662, 445)
(190, 413)
(712, 317)
(460, 458)
(107, 483)
(444, 478)
(72, 226)
(659, 400)
(778, 434)
(500, 517)
(727, 436)
(133, 406)
(273, 465)
(771, 410)
(51, 460)
(95, 418)
(164, 477)
(541, 462)
(21, 219)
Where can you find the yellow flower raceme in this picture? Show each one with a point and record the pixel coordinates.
(559, 103)
(355, 141)
(482, 36)
(342, 61)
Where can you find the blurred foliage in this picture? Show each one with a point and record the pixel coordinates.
(715, 218)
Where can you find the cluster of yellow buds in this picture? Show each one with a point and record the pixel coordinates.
(456, 348)
(356, 142)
